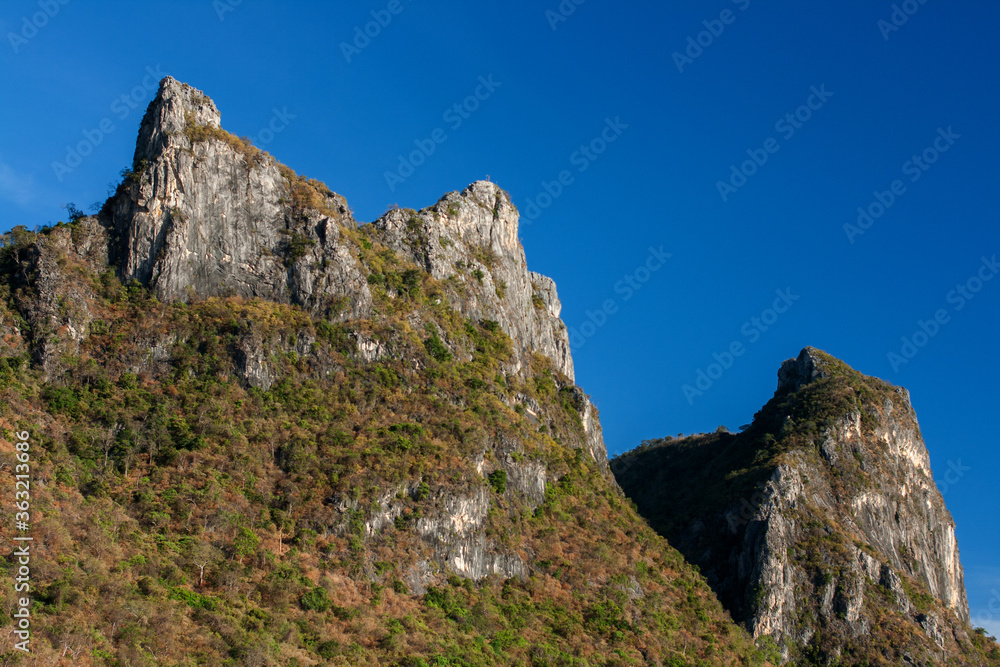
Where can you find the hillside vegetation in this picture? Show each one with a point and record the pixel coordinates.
(183, 516)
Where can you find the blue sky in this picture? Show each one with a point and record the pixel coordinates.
(804, 111)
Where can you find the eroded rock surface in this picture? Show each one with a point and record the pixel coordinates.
(823, 526)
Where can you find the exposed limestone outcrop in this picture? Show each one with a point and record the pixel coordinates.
(470, 238)
(55, 287)
(204, 214)
(825, 528)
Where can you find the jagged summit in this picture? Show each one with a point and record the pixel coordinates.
(204, 213)
(799, 371)
(475, 232)
(820, 525)
(175, 106)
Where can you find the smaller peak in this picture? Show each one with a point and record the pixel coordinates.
(807, 367)
(486, 191)
(175, 105)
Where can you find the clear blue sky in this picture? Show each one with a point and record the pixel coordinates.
(885, 95)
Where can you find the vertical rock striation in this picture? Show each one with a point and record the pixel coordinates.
(204, 213)
(820, 525)
(470, 239)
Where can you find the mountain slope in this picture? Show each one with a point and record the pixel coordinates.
(262, 435)
(820, 524)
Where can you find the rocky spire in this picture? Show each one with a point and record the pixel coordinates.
(204, 213)
(820, 524)
(799, 371)
(470, 237)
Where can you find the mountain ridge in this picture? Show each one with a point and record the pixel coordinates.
(820, 524)
(321, 453)
(290, 438)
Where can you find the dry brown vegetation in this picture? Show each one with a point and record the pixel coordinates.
(184, 517)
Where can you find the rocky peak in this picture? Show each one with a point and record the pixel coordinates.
(800, 371)
(469, 240)
(204, 213)
(819, 525)
(168, 115)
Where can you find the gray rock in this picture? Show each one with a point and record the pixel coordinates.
(50, 295)
(469, 239)
(800, 371)
(203, 215)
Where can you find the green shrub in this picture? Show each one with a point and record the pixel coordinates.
(315, 600)
(61, 399)
(295, 246)
(328, 649)
(436, 349)
(498, 480)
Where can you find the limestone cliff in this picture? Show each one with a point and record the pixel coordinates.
(470, 238)
(819, 525)
(265, 435)
(203, 214)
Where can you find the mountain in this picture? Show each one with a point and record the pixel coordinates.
(819, 525)
(261, 433)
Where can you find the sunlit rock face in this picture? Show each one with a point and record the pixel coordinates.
(470, 238)
(203, 214)
(828, 528)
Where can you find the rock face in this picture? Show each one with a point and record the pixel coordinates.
(203, 214)
(50, 294)
(470, 239)
(824, 529)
